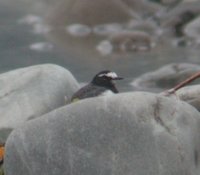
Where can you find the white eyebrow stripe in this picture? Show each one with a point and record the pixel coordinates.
(109, 74)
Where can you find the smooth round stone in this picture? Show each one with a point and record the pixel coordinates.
(30, 92)
(129, 133)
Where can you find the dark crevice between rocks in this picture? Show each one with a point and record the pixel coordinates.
(158, 119)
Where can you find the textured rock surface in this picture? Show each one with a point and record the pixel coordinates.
(165, 77)
(130, 133)
(30, 92)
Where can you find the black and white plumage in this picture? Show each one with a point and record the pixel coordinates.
(101, 84)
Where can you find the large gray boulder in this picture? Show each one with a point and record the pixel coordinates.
(30, 92)
(130, 133)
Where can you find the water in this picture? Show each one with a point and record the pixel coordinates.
(25, 43)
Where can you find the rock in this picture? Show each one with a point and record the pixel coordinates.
(148, 26)
(107, 29)
(129, 133)
(79, 25)
(192, 29)
(78, 30)
(126, 41)
(89, 12)
(170, 2)
(165, 77)
(30, 92)
(143, 8)
(41, 46)
(190, 94)
(176, 19)
(92, 12)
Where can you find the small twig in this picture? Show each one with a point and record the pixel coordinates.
(182, 84)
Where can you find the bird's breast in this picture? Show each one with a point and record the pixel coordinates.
(107, 93)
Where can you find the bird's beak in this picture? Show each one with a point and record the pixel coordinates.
(118, 78)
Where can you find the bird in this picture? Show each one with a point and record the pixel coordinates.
(101, 84)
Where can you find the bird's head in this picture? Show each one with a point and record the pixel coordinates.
(105, 79)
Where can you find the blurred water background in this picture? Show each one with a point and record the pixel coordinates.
(61, 32)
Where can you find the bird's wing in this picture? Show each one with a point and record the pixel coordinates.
(88, 91)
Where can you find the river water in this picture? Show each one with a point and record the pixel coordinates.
(22, 43)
